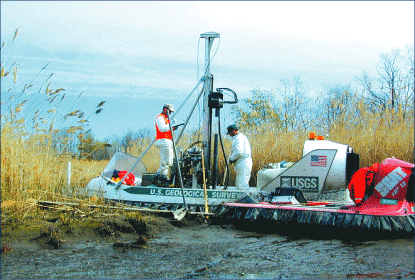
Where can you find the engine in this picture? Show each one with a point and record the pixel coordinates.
(190, 167)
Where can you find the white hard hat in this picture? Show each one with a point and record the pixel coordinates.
(169, 106)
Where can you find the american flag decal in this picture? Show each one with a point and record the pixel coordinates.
(318, 161)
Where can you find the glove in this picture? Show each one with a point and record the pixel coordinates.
(176, 126)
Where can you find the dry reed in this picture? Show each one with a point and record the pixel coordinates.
(31, 169)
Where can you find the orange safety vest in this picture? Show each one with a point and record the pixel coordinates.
(163, 135)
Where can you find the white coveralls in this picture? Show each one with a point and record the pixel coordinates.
(165, 145)
(241, 155)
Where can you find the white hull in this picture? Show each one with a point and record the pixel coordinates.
(152, 194)
(324, 180)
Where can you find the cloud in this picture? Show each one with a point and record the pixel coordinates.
(152, 49)
(132, 27)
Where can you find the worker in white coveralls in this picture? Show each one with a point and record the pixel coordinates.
(164, 140)
(241, 156)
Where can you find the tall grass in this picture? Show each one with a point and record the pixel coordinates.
(377, 135)
(31, 169)
(374, 136)
(31, 166)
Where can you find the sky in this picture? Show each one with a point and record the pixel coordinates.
(138, 55)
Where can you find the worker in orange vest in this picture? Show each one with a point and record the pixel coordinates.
(164, 140)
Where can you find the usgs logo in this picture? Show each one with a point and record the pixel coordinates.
(305, 184)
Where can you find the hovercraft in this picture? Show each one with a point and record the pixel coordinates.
(382, 201)
(323, 188)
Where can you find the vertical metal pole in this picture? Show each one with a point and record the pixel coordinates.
(215, 163)
(69, 174)
(207, 88)
(177, 162)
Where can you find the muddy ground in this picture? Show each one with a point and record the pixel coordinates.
(157, 247)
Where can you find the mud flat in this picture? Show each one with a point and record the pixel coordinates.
(156, 247)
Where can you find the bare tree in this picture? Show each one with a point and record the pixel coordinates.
(335, 102)
(132, 138)
(259, 111)
(408, 96)
(294, 104)
(300, 100)
(393, 88)
(390, 78)
(127, 141)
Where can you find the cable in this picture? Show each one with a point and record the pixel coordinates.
(197, 60)
(217, 48)
(224, 153)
